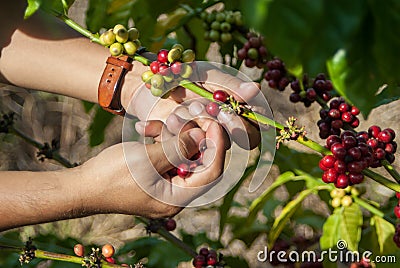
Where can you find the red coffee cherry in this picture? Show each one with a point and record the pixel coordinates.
(220, 95)
(107, 250)
(79, 250)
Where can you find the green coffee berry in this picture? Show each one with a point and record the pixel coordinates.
(226, 37)
(220, 17)
(187, 71)
(229, 18)
(133, 34)
(252, 53)
(178, 46)
(137, 43)
(157, 81)
(122, 35)
(346, 201)
(211, 17)
(203, 15)
(337, 193)
(355, 191)
(156, 91)
(336, 202)
(225, 27)
(147, 75)
(130, 48)
(168, 78)
(216, 25)
(116, 49)
(117, 28)
(214, 35)
(107, 38)
(238, 18)
(188, 55)
(174, 54)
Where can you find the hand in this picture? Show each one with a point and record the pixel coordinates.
(110, 173)
(145, 106)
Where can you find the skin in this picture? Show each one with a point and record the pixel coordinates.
(42, 54)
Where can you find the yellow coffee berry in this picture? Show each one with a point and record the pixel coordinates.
(178, 46)
(117, 28)
(122, 35)
(133, 34)
(107, 38)
(130, 48)
(116, 49)
(188, 55)
(147, 75)
(187, 71)
(174, 54)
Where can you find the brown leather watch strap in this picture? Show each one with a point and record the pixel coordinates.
(109, 91)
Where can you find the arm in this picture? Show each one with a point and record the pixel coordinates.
(44, 54)
(113, 181)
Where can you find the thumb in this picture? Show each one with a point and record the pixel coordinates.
(176, 150)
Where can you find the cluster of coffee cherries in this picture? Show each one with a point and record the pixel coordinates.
(343, 197)
(382, 144)
(351, 155)
(308, 94)
(154, 225)
(220, 25)
(107, 253)
(121, 40)
(170, 67)
(335, 118)
(208, 258)
(253, 52)
(396, 237)
(276, 76)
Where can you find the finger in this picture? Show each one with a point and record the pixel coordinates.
(154, 129)
(213, 160)
(177, 124)
(212, 79)
(245, 134)
(176, 150)
(203, 119)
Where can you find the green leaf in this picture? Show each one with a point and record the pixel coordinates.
(330, 230)
(338, 71)
(260, 201)
(96, 129)
(344, 224)
(350, 226)
(286, 214)
(88, 106)
(384, 232)
(33, 6)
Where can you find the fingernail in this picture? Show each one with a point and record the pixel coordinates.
(140, 126)
(197, 135)
(196, 108)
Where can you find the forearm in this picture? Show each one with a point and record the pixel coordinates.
(36, 197)
(43, 54)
